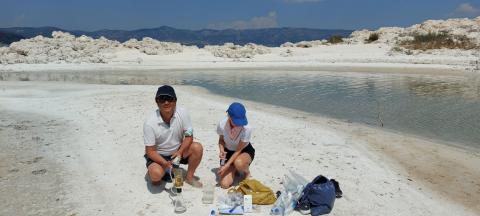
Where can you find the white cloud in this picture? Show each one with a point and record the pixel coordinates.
(268, 21)
(466, 10)
(302, 1)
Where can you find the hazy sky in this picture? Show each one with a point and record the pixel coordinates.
(220, 14)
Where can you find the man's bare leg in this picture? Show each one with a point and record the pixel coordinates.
(194, 154)
(155, 172)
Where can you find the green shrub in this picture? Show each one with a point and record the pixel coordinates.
(335, 39)
(438, 41)
(373, 37)
(397, 49)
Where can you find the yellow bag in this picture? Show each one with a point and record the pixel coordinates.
(261, 194)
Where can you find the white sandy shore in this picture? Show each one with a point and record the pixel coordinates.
(343, 57)
(102, 169)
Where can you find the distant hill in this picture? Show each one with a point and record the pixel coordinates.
(7, 37)
(267, 37)
(29, 32)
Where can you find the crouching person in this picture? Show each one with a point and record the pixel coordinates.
(236, 151)
(168, 134)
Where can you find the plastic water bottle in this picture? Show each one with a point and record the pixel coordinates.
(278, 210)
(293, 187)
(284, 204)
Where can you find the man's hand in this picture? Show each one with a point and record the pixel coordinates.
(151, 152)
(177, 154)
(167, 165)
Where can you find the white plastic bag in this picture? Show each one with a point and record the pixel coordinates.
(231, 203)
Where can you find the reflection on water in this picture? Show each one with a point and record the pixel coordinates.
(441, 107)
(442, 88)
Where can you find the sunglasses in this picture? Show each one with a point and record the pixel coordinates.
(164, 98)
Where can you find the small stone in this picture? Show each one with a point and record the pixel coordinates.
(13, 170)
(39, 172)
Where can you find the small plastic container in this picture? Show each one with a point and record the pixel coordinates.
(208, 193)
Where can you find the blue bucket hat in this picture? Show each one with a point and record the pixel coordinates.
(237, 112)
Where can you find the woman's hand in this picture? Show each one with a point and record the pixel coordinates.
(223, 169)
(222, 154)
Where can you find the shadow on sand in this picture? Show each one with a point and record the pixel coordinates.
(157, 188)
(236, 180)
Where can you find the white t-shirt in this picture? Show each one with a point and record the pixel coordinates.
(223, 129)
(167, 138)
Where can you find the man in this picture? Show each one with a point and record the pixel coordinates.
(168, 134)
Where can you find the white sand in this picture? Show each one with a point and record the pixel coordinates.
(100, 151)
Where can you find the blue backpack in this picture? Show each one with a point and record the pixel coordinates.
(318, 196)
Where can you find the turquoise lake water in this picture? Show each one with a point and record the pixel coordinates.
(445, 108)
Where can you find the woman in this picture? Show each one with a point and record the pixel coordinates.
(236, 151)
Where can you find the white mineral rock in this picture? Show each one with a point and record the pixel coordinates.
(230, 50)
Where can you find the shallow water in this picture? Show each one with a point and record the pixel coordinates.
(445, 108)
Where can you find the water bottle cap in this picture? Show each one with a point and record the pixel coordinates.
(212, 212)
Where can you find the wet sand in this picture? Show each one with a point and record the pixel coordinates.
(452, 172)
(31, 182)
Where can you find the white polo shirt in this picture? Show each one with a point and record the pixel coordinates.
(166, 137)
(223, 129)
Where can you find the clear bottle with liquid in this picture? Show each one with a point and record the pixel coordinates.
(180, 206)
(178, 178)
(208, 192)
(179, 202)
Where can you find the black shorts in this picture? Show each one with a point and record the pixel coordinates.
(248, 149)
(168, 158)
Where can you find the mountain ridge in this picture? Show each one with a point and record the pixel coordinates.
(267, 37)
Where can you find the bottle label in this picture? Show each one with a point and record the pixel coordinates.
(247, 203)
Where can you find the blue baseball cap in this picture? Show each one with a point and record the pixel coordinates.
(237, 112)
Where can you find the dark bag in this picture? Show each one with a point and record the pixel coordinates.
(318, 196)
